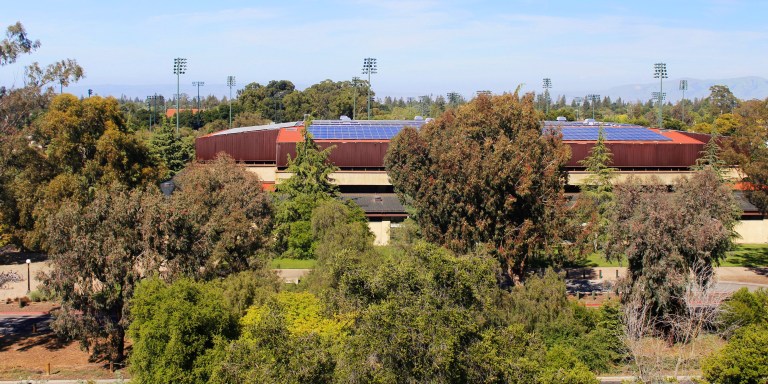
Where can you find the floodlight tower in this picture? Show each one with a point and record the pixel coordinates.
(659, 97)
(150, 100)
(547, 85)
(230, 83)
(579, 102)
(593, 98)
(198, 84)
(369, 68)
(683, 87)
(484, 92)
(660, 72)
(355, 84)
(179, 68)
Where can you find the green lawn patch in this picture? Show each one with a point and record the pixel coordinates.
(293, 264)
(747, 255)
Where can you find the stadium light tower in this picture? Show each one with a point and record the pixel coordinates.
(198, 84)
(579, 102)
(593, 98)
(230, 83)
(369, 68)
(683, 87)
(150, 100)
(547, 85)
(660, 72)
(179, 68)
(355, 84)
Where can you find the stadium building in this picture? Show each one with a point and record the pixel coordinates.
(360, 147)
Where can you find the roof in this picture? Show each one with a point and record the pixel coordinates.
(170, 112)
(376, 203)
(744, 204)
(257, 128)
(359, 129)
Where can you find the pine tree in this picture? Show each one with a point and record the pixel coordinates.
(596, 198)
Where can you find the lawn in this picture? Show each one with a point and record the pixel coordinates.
(747, 255)
(743, 255)
(293, 264)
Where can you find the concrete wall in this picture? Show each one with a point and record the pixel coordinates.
(666, 177)
(752, 232)
(349, 177)
(380, 229)
(266, 173)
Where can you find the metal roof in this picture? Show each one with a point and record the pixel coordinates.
(373, 203)
(257, 128)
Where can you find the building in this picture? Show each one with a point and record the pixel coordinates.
(360, 147)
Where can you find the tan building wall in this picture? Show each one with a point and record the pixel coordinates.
(752, 232)
(380, 230)
(666, 177)
(266, 173)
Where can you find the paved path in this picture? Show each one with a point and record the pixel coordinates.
(67, 381)
(292, 275)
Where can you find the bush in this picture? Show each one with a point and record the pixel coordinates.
(744, 308)
(37, 296)
(743, 360)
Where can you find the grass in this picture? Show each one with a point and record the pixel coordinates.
(293, 264)
(747, 255)
(743, 255)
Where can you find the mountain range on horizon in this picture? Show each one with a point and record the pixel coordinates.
(744, 88)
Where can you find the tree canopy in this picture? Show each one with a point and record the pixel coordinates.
(486, 173)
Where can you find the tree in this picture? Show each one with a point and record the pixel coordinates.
(218, 222)
(174, 327)
(485, 173)
(15, 43)
(97, 257)
(667, 237)
(309, 185)
(173, 150)
(721, 99)
(743, 360)
(596, 198)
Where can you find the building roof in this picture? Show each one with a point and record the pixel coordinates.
(359, 129)
(376, 203)
(257, 128)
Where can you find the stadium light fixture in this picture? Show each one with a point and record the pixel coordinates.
(179, 68)
(547, 85)
(369, 68)
(660, 72)
(683, 87)
(152, 99)
(579, 102)
(198, 84)
(593, 98)
(231, 82)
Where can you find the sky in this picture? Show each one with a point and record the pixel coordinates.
(421, 46)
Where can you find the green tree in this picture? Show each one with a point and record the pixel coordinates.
(721, 100)
(743, 360)
(174, 327)
(15, 43)
(596, 198)
(485, 173)
(309, 185)
(173, 150)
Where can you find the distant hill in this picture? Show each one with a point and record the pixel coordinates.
(744, 88)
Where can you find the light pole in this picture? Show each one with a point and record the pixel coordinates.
(660, 72)
(547, 85)
(579, 101)
(683, 87)
(29, 282)
(484, 92)
(593, 98)
(179, 68)
(659, 97)
(150, 99)
(198, 84)
(369, 68)
(355, 84)
(90, 92)
(230, 83)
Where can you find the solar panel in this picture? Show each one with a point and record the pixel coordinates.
(357, 131)
(612, 134)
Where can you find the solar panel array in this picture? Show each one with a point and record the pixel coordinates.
(611, 134)
(358, 131)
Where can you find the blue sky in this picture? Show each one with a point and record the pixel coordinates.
(422, 46)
